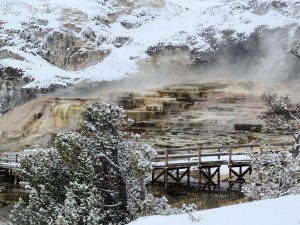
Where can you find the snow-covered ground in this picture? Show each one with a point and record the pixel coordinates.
(279, 211)
(172, 22)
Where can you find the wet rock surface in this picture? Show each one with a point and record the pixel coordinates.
(36, 123)
(176, 115)
(183, 115)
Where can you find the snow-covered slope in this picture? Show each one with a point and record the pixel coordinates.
(62, 41)
(278, 211)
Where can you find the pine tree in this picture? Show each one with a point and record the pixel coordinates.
(95, 175)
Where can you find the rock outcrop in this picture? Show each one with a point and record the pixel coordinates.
(241, 56)
(13, 91)
(68, 52)
(11, 82)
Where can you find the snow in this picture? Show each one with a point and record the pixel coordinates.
(177, 22)
(279, 211)
(224, 170)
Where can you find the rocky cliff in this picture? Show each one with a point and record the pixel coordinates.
(61, 43)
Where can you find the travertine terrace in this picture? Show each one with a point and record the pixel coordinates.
(169, 116)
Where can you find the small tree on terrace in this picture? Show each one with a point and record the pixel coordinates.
(280, 114)
(93, 176)
(275, 174)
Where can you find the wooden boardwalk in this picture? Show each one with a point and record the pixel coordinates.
(175, 164)
(9, 161)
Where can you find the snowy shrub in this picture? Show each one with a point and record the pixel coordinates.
(95, 175)
(282, 114)
(195, 219)
(188, 208)
(274, 174)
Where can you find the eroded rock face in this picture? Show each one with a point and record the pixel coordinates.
(62, 48)
(13, 92)
(265, 7)
(11, 82)
(34, 34)
(238, 54)
(7, 54)
(151, 3)
(75, 45)
(69, 52)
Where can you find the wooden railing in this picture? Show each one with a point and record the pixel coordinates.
(180, 161)
(13, 158)
(169, 156)
(9, 161)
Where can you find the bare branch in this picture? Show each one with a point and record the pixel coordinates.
(296, 3)
(295, 52)
(295, 118)
(113, 206)
(279, 111)
(108, 160)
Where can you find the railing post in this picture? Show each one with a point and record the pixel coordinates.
(230, 154)
(229, 165)
(199, 164)
(166, 157)
(260, 178)
(16, 158)
(166, 169)
(199, 154)
(219, 150)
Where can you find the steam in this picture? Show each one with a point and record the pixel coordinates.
(263, 59)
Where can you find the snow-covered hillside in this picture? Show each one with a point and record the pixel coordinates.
(62, 41)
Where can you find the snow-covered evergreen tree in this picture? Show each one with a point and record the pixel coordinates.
(94, 175)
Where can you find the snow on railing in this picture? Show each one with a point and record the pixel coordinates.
(225, 154)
